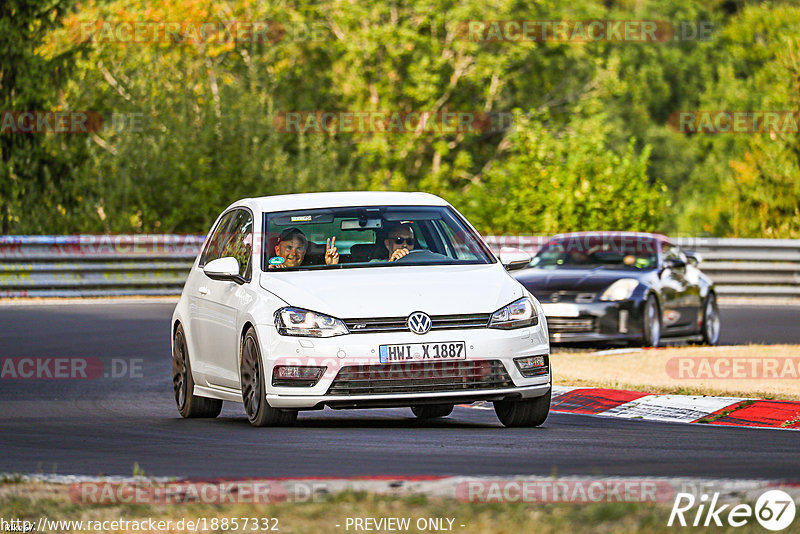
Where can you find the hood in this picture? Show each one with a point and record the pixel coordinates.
(589, 280)
(396, 291)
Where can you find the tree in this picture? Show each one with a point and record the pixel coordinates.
(566, 180)
(747, 184)
(35, 172)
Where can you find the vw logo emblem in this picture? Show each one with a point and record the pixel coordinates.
(419, 323)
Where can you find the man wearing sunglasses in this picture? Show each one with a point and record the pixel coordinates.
(399, 240)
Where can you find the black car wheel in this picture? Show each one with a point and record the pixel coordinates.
(711, 321)
(651, 323)
(189, 404)
(251, 373)
(431, 411)
(528, 413)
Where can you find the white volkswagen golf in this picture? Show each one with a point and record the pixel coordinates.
(356, 300)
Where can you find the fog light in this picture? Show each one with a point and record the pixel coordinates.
(533, 365)
(296, 375)
(623, 321)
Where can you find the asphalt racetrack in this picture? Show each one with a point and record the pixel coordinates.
(104, 426)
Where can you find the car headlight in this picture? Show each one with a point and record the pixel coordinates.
(622, 289)
(300, 322)
(518, 314)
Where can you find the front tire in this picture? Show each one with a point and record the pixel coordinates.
(524, 413)
(711, 320)
(254, 392)
(432, 411)
(189, 404)
(651, 323)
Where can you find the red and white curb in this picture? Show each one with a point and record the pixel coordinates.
(731, 411)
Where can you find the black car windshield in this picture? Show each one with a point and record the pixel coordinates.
(593, 251)
(371, 236)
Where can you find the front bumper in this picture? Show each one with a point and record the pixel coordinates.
(305, 402)
(598, 321)
(482, 345)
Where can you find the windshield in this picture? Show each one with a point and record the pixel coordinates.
(372, 236)
(589, 252)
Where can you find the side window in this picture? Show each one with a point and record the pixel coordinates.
(240, 242)
(459, 245)
(419, 234)
(218, 239)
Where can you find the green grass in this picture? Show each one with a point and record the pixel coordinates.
(31, 501)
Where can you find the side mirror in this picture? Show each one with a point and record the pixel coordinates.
(224, 269)
(514, 258)
(693, 257)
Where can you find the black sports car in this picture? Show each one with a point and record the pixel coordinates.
(621, 286)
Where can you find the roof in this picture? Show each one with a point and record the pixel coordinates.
(339, 200)
(613, 233)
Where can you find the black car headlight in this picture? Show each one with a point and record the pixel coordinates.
(622, 289)
(518, 314)
(299, 322)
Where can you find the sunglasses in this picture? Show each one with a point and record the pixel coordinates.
(407, 240)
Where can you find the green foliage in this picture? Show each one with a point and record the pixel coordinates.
(563, 181)
(36, 174)
(594, 153)
(202, 134)
(755, 179)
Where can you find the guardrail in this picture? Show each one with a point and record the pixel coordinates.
(117, 265)
(95, 265)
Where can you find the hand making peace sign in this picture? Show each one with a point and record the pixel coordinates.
(331, 255)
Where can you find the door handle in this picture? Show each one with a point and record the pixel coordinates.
(203, 290)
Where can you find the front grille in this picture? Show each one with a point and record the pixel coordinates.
(420, 377)
(398, 324)
(568, 325)
(579, 297)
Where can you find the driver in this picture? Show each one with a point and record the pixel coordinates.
(399, 240)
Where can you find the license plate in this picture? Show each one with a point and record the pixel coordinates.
(417, 352)
(560, 309)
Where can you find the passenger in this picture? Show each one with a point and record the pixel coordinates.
(399, 240)
(292, 246)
